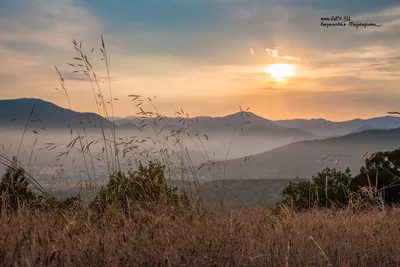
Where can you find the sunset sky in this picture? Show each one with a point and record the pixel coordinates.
(208, 56)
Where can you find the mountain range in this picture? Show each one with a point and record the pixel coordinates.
(16, 112)
(241, 122)
(46, 113)
(260, 149)
(252, 123)
(37, 113)
(276, 149)
(326, 128)
(304, 159)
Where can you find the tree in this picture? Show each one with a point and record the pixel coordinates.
(328, 188)
(377, 183)
(381, 172)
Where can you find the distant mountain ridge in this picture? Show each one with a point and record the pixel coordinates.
(363, 128)
(326, 128)
(302, 159)
(291, 151)
(15, 113)
(246, 122)
(320, 127)
(229, 132)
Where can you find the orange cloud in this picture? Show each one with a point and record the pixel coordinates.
(275, 54)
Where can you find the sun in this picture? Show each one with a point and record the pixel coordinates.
(280, 72)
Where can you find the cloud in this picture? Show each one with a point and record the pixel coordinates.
(49, 24)
(275, 54)
(71, 76)
(34, 37)
(291, 58)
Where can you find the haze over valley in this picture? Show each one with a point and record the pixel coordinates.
(239, 146)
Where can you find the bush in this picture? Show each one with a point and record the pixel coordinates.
(329, 188)
(14, 188)
(145, 187)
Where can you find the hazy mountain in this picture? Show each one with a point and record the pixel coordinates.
(251, 123)
(128, 125)
(256, 139)
(325, 128)
(282, 132)
(16, 112)
(236, 135)
(302, 159)
(265, 192)
(245, 123)
(363, 128)
(237, 121)
(387, 122)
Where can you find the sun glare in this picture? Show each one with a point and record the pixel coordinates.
(280, 72)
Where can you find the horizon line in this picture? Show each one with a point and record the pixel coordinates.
(206, 116)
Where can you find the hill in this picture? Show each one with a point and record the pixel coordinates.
(282, 132)
(263, 192)
(14, 113)
(302, 159)
(226, 135)
(128, 126)
(326, 128)
(207, 125)
(363, 128)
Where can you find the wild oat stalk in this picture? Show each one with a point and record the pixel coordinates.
(62, 83)
(25, 128)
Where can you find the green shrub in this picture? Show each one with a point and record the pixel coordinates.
(145, 187)
(14, 188)
(328, 188)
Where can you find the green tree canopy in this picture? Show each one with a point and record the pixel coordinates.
(381, 171)
(379, 178)
(328, 188)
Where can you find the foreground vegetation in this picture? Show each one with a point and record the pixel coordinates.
(249, 236)
(138, 220)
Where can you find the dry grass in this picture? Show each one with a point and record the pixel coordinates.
(241, 237)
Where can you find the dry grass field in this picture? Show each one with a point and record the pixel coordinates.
(247, 236)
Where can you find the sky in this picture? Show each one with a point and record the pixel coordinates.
(207, 57)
